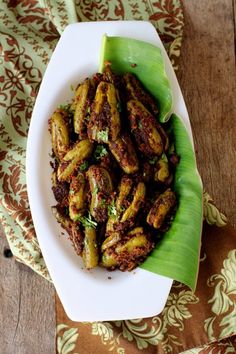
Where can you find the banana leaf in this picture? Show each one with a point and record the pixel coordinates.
(176, 255)
(145, 61)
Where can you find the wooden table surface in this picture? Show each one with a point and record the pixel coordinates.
(207, 75)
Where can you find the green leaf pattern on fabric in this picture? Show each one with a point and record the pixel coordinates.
(223, 299)
(176, 311)
(66, 342)
(143, 334)
(211, 214)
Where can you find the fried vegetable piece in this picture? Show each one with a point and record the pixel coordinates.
(161, 208)
(90, 251)
(77, 196)
(104, 124)
(128, 252)
(116, 207)
(135, 91)
(80, 151)
(60, 190)
(59, 133)
(164, 137)
(123, 151)
(109, 76)
(145, 129)
(123, 212)
(101, 187)
(134, 207)
(73, 230)
(162, 172)
(111, 240)
(82, 102)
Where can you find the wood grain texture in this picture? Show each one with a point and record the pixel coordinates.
(208, 80)
(27, 308)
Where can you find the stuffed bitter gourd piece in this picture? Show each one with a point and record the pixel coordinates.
(145, 129)
(128, 252)
(77, 196)
(126, 206)
(101, 187)
(82, 103)
(135, 91)
(75, 234)
(90, 251)
(70, 162)
(58, 126)
(161, 208)
(104, 124)
(123, 151)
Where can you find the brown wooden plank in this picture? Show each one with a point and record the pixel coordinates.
(27, 308)
(208, 80)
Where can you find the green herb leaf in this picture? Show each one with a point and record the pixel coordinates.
(83, 166)
(103, 203)
(99, 152)
(112, 211)
(140, 125)
(65, 107)
(153, 160)
(103, 135)
(87, 221)
(164, 157)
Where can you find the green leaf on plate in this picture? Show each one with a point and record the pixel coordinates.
(176, 255)
(145, 61)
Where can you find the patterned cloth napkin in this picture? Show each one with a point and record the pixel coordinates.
(30, 30)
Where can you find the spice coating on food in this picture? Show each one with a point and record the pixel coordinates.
(144, 127)
(113, 169)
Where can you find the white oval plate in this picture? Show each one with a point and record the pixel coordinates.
(87, 295)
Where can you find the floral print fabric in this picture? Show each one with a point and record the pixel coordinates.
(30, 30)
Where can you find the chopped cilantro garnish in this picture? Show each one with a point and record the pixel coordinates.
(112, 211)
(153, 160)
(103, 135)
(99, 152)
(164, 157)
(103, 202)
(140, 125)
(88, 110)
(65, 107)
(87, 221)
(83, 166)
